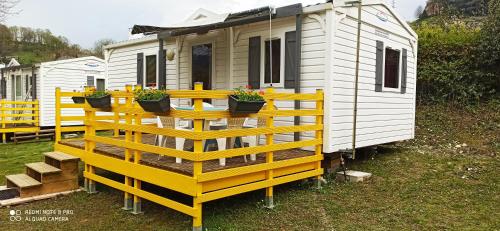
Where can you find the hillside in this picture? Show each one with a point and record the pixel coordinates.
(35, 45)
(458, 7)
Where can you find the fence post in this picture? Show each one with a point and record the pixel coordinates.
(137, 157)
(319, 135)
(128, 198)
(90, 117)
(2, 119)
(198, 165)
(116, 116)
(58, 115)
(269, 155)
(36, 118)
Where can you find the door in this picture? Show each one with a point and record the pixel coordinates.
(19, 88)
(201, 65)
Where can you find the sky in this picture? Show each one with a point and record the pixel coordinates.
(84, 22)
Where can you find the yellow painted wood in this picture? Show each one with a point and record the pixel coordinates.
(258, 185)
(269, 142)
(171, 180)
(58, 115)
(77, 152)
(210, 176)
(146, 195)
(71, 105)
(202, 186)
(72, 129)
(258, 149)
(71, 94)
(143, 147)
(319, 134)
(17, 115)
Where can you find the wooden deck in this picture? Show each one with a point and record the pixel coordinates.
(186, 167)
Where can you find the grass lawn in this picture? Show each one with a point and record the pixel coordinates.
(447, 178)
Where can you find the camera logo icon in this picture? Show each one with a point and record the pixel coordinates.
(15, 215)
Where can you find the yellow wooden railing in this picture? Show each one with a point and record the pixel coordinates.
(202, 186)
(18, 116)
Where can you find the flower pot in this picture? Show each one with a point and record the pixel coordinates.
(78, 99)
(158, 106)
(243, 107)
(101, 102)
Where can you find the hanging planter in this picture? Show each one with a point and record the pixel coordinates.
(78, 99)
(152, 100)
(245, 101)
(99, 99)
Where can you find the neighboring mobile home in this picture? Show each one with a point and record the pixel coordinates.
(307, 48)
(39, 81)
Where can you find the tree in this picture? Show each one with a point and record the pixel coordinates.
(419, 11)
(6, 7)
(97, 50)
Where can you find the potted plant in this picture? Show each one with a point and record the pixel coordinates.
(245, 101)
(78, 99)
(99, 99)
(153, 100)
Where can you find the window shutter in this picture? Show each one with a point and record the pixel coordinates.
(162, 77)
(379, 65)
(33, 84)
(290, 59)
(254, 62)
(26, 83)
(3, 88)
(404, 71)
(140, 69)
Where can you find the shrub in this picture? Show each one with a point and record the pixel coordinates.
(248, 95)
(97, 94)
(149, 94)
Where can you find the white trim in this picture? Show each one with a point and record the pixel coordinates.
(319, 19)
(329, 48)
(231, 43)
(277, 33)
(342, 3)
(394, 46)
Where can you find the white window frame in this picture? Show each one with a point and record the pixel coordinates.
(144, 71)
(393, 46)
(278, 33)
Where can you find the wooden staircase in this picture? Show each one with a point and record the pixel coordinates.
(58, 173)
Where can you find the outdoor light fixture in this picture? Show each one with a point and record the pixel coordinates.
(170, 54)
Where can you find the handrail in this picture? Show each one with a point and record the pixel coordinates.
(127, 115)
(15, 113)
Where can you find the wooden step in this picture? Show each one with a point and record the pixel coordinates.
(43, 168)
(21, 181)
(60, 156)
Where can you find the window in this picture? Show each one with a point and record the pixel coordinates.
(90, 81)
(151, 71)
(19, 87)
(273, 46)
(391, 69)
(100, 85)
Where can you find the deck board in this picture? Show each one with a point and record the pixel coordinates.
(186, 167)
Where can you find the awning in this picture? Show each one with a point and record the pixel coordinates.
(233, 19)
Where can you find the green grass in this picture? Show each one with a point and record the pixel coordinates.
(13, 157)
(425, 184)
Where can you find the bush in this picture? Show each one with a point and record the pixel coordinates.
(451, 65)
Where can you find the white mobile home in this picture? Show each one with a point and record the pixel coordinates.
(306, 47)
(39, 81)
